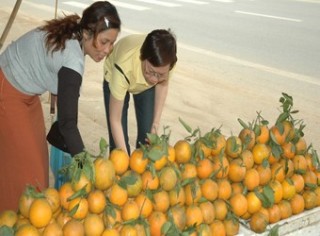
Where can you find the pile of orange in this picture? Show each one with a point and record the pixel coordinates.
(200, 185)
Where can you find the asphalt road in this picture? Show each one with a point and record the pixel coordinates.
(280, 34)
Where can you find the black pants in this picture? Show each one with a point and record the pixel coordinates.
(144, 109)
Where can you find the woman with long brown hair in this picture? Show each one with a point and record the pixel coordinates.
(49, 58)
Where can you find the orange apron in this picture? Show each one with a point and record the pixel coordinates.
(23, 148)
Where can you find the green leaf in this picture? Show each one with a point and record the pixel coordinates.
(81, 193)
(243, 124)
(274, 231)
(6, 230)
(185, 125)
(74, 209)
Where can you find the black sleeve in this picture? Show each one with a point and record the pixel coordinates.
(69, 82)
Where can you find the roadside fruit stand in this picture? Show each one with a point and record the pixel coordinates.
(263, 181)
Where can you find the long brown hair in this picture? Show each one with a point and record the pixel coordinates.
(98, 17)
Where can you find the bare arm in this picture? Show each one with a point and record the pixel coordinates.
(116, 107)
(160, 98)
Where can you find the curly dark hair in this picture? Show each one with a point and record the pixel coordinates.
(93, 20)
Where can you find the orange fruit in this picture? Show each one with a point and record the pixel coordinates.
(251, 179)
(141, 230)
(8, 218)
(209, 189)
(137, 161)
(105, 173)
(113, 218)
(233, 146)
(96, 201)
(40, 213)
(188, 171)
(128, 230)
(285, 209)
(317, 191)
(130, 210)
(278, 171)
(274, 213)
(171, 154)
(204, 168)
(264, 174)
(82, 208)
(194, 215)
(276, 135)
(25, 202)
(237, 188)
(310, 199)
(288, 150)
(65, 191)
(272, 158)
(239, 204)
(288, 189)
(156, 220)
(144, 204)
(301, 146)
(93, 224)
(53, 198)
(161, 201)
(161, 162)
(247, 158)
(288, 130)
(120, 160)
(118, 195)
(73, 227)
(232, 226)
(63, 217)
(183, 151)
(300, 163)
(203, 229)
(277, 190)
(52, 229)
(248, 138)
(310, 179)
(298, 182)
(207, 210)
(218, 142)
(224, 189)
(260, 152)
(110, 232)
(192, 192)
(258, 222)
(27, 229)
(297, 204)
(220, 209)
(262, 135)
(177, 196)
(254, 203)
(311, 165)
(83, 182)
(135, 187)
(179, 216)
(237, 170)
(202, 148)
(217, 228)
(220, 166)
(149, 181)
(168, 178)
(288, 166)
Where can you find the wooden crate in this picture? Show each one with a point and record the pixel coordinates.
(287, 226)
